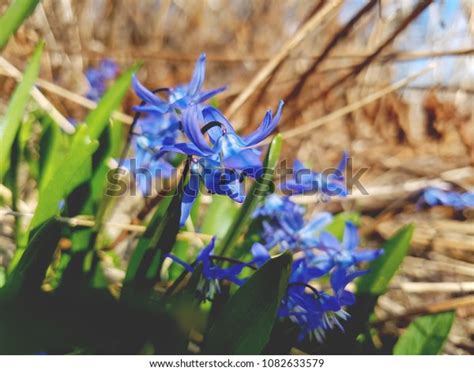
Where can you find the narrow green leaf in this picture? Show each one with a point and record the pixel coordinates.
(29, 273)
(384, 268)
(12, 19)
(158, 240)
(53, 147)
(426, 335)
(98, 118)
(262, 187)
(10, 124)
(219, 216)
(69, 175)
(246, 321)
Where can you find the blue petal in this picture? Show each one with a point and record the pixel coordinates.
(468, 199)
(209, 94)
(236, 157)
(192, 121)
(351, 237)
(267, 126)
(343, 163)
(198, 76)
(185, 265)
(366, 255)
(191, 191)
(328, 241)
(213, 114)
(319, 221)
(184, 148)
(148, 96)
(260, 254)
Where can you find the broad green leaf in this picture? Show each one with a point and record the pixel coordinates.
(218, 217)
(384, 268)
(246, 321)
(158, 240)
(68, 176)
(262, 187)
(10, 124)
(29, 273)
(426, 335)
(12, 19)
(53, 147)
(98, 118)
(337, 226)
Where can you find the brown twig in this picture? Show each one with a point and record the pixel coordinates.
(442, 306)
(273, 63)
(340, 35)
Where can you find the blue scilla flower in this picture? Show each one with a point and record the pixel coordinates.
(313, 310)
(225, 147)
(99, 77)
(316, 311)
(222, 160)
(284, 224)
(435, 196)
(211, 272)
(180, 97)
(151, 132)
(333, 253)
(216, 179)
(328, 183)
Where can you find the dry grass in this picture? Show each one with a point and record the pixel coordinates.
(267, 50)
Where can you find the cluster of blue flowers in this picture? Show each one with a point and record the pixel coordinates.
(435, 196)
(178, 121)
(219, 158)
(316, 253)
(99, 77)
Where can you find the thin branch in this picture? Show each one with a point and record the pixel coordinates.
(303, 129)
(42, 101)
(273, 63)
(90, 223)
(73, 97)
(170, 57)
(340, 35)
(442, 306)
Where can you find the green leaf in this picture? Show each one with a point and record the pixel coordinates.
(12, 19)
(426, 335)
(10, 124)
(29, 273)
(98, 118)
(262, 187)
(145, 265)
(54, 145)
(384, 268)
(246, 321)
(70, 174)
(219, 216)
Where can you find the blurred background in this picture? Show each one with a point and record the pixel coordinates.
(390, 81)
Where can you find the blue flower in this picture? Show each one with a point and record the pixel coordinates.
(211, 272)
(152, 132)
(180, 97)
(434, 196)
(305, 181)
(223, 163)
(99, 77)
(342, 255)
(313, 310)
(225, 147)
(285, 226)
(216, 179)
